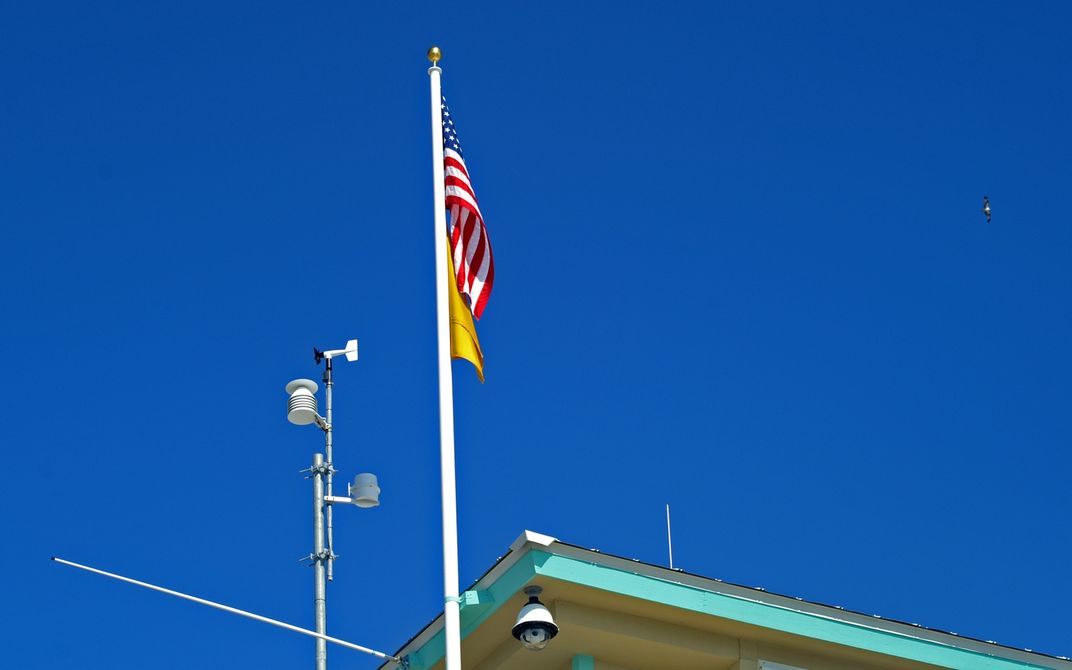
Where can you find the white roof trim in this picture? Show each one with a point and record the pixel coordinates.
(530, 537)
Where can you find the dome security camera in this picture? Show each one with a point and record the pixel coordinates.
(535, 627)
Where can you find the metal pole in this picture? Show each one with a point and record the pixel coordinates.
(233, 610)
(328, 383)
(319, 585)
(451, 607)
(669, 541)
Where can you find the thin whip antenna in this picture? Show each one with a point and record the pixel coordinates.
(233, 610)
(669, 541)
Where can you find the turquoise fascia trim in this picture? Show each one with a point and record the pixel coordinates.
(476, 607)
(583, 662)
(768, 616)
(673, 594)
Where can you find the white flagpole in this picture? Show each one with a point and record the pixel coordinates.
(451, 607)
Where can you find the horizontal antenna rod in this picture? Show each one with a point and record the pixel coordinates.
(233, 610)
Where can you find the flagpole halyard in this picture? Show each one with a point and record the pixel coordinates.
(451, 606)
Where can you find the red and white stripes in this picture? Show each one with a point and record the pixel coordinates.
(473, 264)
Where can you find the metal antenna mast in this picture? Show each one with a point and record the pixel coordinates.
(669, 541)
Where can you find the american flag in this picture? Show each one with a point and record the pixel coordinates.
(473, 265)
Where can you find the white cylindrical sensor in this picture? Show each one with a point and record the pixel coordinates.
(365, 490)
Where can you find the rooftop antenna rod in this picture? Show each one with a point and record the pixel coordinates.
(669, 541)
(235, 610)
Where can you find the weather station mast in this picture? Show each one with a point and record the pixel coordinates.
(364, 492)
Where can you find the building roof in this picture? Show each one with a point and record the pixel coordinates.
(575, 571)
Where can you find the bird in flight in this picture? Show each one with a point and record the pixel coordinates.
(986, 208)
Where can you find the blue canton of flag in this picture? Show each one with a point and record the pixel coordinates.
(450, 135)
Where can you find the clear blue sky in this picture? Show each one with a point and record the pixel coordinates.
(741, 268)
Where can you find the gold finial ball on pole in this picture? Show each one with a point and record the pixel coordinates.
(434, 54)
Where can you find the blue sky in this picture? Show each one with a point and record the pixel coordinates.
(740, 269)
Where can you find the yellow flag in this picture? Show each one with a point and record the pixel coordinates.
(463, 341)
